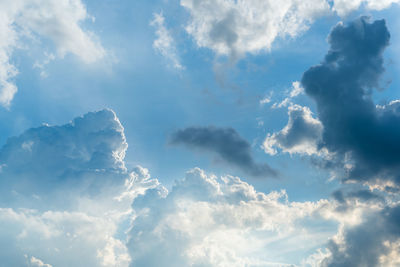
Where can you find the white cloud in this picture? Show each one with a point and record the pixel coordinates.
(210, 221)
(165, 44)
(66, 194)
(38, 263)
(344, 7)
(301, 135)
(59, 238)
(234, 28)
(58, 21)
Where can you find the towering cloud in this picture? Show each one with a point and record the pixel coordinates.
(227, 144)
(85, 155)
(66, 194)
(363, 136)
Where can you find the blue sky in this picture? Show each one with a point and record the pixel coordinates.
(143, 114)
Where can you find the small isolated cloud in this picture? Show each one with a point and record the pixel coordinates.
(296, 90)
(209, 221)
(227, 144)
(56, 20)
(302, 134)
(35, 262)
(164, 43)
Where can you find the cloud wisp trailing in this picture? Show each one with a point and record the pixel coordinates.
(227, 144)
(164, 43)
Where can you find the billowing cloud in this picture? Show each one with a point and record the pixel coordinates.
(234, 28)
(209, 221)
(164, 43)
(343, 7)
(227, 144)
(66, 194)
(374, 242)
(363, 137)
(301, 135)
(82, 155)
(58, 21)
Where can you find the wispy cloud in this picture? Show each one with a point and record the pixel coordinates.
(164, 43)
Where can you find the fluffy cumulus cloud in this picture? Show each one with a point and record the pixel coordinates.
(58, 21)
(81, 155)
(343, 7)
(66, 194)
(301, 135)
(209, 221)
(363, 136)
(234, 28)
(227, 144)
(164, 43)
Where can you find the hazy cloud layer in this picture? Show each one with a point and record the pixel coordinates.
(56, 20)
(227, 144)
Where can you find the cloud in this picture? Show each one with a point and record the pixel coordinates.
(374, 242)
(164, 43)
(302, 134)
(82, 154)
(296, 91)
(235, 28)
(363, 137)
(344, 7)
(209, 221)
(58, 21)
(59, 238)
(226, 143)
(66, 194)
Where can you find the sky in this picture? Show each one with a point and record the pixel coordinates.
(199, 133)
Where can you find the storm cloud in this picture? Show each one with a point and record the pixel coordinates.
(227, 144)
(364, 137)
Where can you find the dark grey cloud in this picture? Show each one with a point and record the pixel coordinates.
(368, 244)
(227, 144)
(354, 128)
